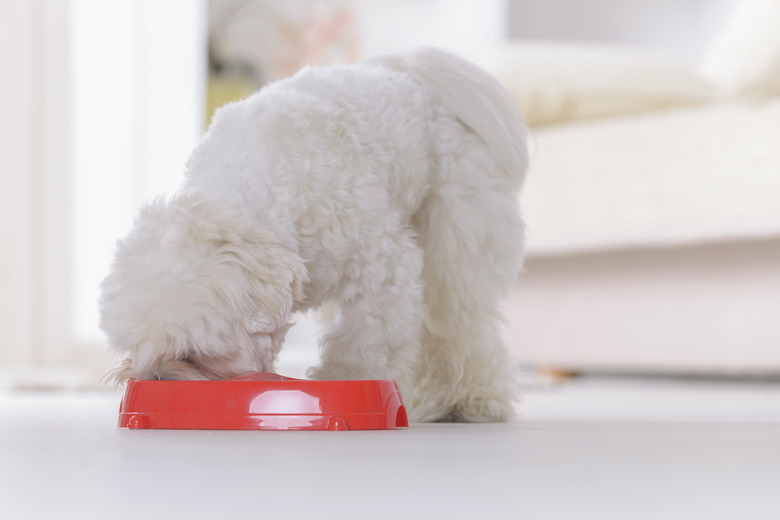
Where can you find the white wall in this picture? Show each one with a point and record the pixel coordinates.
(34, 176)
(16, 160)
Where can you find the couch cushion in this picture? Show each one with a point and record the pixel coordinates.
(555, 82)
(745, 57)
(699, 174)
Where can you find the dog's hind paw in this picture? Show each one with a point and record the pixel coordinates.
(482, 409)
(473, 409)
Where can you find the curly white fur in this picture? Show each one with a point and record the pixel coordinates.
(386, 188)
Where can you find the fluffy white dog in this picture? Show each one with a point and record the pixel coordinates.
(386, 189)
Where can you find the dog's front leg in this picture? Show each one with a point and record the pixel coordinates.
(376, 330)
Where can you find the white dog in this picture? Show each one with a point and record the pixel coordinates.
(386, 189)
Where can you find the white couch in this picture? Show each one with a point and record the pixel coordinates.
(652, 204)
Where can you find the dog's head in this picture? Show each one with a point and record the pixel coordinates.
(198, 293)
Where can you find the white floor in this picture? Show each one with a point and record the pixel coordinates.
(591, 448)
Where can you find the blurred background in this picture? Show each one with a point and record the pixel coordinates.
(652, 205)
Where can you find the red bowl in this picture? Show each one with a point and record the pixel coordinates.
(263, 401)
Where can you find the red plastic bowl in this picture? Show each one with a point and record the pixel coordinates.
(263, 401)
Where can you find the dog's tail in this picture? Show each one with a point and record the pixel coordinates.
(475, 97)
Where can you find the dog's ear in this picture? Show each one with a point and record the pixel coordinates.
(277, 303)
(278, 295)
(262, 323)
(300, 277)
(256, 273)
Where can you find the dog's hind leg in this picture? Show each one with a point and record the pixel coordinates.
(375, 332)
(471, 232)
